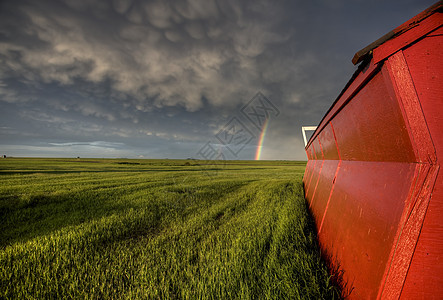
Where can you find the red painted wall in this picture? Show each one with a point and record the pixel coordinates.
(373, 180)
(425, 62)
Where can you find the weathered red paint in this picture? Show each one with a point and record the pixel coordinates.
(373, 180)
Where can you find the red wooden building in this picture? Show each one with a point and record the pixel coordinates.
(373, 180)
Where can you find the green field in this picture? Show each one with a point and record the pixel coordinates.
(101, 228)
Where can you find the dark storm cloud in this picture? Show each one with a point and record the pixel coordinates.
(157, 53)
(159, 78)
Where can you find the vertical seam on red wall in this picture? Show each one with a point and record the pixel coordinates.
(335, 139)
(413, 217)
(409, 103)
(319, 173)
(413, 193)
(418, 213)
(306, 174)
(312, 173)
(333, 181)
(433, 171)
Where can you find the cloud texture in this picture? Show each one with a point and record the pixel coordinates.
(166, 75)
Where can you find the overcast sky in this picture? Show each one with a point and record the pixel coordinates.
(169, 79)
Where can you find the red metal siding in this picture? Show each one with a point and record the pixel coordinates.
(361, 220)
(372, 180)
(371, 126)
(425, 62)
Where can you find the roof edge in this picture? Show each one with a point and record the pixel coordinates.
(367, 51)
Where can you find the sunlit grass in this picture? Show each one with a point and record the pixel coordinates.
(157, 229)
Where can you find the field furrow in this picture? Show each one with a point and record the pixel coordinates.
(157, 229)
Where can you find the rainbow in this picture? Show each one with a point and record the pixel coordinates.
(261, 139)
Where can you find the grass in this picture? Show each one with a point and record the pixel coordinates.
(101, 228)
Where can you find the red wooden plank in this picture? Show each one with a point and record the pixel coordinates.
(371, 126)
(424, 279)
(324, 191)
(321, 185)
(316, 171)
(328, 143)
(425, 62)
(426, 26)
(307, 175)
(327, 170)
(331, 156)
(363, 214)
(409, 231)
(411, 108)
(307, 182)
(318, 177)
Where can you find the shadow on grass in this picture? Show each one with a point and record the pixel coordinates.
(333, 265)
(39, 215)
(337, 275)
